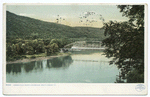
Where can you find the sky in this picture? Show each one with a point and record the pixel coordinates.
(70, 14)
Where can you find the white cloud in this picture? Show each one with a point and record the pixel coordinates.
(24, 14)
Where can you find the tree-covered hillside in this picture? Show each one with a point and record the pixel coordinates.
(25, 27)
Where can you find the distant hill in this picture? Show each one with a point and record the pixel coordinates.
(22, 27)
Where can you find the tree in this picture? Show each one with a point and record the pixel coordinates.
(34, 35)
(23, 47)
(30, 50)
(46, 41)
(64, 42)
(17, 48)
(48, 50)
(9, 50)
(54, 48)
(54, 41)
(125, 42)
(40, 47)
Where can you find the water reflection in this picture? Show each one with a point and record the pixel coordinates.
(29, 66)
(77, 68)
(39, 65)
(36, 65)
(59, 62)
(14, 68)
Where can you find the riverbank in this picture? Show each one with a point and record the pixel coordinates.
(38, 58)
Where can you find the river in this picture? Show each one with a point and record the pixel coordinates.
(79, 67)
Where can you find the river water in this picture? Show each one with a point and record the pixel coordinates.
(80, 67)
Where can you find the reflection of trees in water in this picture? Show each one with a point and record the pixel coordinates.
(38, 65)
(29, 66)
(59, 62)
(14, 68)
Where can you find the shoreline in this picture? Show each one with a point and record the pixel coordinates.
(35, 59)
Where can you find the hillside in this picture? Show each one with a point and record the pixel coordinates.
(23, 27)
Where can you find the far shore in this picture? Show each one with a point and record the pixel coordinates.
(35, 59)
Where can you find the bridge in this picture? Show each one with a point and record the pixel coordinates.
(83, 45)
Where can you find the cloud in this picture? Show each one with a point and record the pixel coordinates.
(24, 14)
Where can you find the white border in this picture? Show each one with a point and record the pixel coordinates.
(111, 89)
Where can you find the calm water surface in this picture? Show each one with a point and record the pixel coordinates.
(80, 67)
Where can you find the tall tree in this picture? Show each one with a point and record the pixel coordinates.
(125, 42)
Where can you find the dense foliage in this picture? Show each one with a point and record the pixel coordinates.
(19, 48)
(28, 28)
(125, 43)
